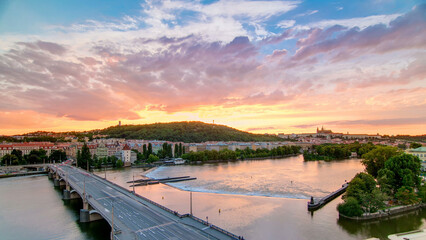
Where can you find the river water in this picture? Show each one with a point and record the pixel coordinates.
(263, 199)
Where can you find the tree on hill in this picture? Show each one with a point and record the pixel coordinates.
(184, 132)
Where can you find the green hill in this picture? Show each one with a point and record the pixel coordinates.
(183, 132)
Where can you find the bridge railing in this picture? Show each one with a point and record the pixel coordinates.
(214, 227)
(168, 209)
(172, 211)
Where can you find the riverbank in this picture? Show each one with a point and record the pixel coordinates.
(244, 159)
(22, 174)
(390, 212)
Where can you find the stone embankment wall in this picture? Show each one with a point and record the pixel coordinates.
(386, 213)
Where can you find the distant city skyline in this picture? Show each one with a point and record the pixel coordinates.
(258, 66)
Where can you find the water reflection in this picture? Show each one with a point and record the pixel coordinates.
(289, 178)
(31, 208)
(386, 226)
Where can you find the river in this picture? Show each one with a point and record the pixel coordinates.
(264, 199)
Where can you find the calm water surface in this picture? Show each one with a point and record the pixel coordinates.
(30, 208)
(257, 199)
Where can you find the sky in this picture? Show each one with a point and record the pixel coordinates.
(258, 66)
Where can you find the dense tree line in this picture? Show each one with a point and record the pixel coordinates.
(396, 173)
(418, 138)
(225, 155)
(330, 152)
(35, 156)
(210, 155)
(86, 161)
(110, 161)
(184, 132)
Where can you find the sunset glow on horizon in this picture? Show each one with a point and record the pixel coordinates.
(257, 66)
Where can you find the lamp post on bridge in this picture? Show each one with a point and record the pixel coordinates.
(84, 188)
(112, 220)
(133, 183)
(190, 202)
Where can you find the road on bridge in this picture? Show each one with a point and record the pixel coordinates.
(133, 219)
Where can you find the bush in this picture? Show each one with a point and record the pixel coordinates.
(406, 196)
(119, 163)
(152, 158)
(350, 208)
(422, 193)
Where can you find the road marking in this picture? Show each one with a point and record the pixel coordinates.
(153, 227)
(107, 197)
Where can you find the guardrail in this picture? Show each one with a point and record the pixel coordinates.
(229, 234)
(221, 230)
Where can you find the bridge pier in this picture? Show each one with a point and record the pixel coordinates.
(87, 214)
(70, 194)
(56, 182)
(50, 175)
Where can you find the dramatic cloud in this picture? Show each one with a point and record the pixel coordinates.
(373, 122)
(405, 32)
(361, 23)
(222, 60)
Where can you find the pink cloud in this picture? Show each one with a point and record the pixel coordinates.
(50, 47)
(405, 32)
(277, 54)
(114, 81)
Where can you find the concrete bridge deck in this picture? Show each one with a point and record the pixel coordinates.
(132, 216)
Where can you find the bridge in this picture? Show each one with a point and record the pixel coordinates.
(130, 216)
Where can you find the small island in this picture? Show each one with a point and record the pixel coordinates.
(390, 185)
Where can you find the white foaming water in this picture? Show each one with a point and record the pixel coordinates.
(283, 178)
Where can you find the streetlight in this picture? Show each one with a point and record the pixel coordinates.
(84, 187)
(112, 220)
(133, 183)
(190, 202)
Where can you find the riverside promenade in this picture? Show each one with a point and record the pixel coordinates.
(130, 215)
